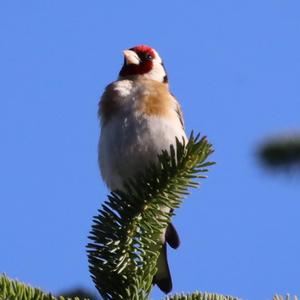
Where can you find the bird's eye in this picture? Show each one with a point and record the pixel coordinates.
(149, 57)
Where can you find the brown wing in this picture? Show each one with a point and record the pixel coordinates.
(179, 112)
(108, 104)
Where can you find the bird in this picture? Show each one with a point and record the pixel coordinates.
(139, 118)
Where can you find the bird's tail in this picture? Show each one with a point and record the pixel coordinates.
(163, 277)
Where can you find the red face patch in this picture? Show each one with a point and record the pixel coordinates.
(146, 55)
(143, 49)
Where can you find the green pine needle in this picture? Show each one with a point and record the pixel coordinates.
(15, 290)
(125, 235)
(286, 297)
(200, 296)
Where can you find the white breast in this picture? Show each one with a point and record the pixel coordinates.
(129, 141)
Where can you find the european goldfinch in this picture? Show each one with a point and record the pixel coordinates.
(139, 118)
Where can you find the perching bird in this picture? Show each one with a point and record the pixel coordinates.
(139, 118)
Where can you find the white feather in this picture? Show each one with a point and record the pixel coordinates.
(123, 88)
(130, 140)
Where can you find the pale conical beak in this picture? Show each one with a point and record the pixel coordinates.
(131, 57)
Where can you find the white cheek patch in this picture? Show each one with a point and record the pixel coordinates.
(157, 57)
(157, 73)
(124, 88)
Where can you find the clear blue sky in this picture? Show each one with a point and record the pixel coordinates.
(234, 66)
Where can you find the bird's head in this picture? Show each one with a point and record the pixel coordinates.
(143, 61)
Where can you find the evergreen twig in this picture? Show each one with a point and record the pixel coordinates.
(201, 296)
(15, 290)
(125, 235)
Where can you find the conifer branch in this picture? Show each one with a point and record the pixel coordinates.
(281, 152)
(15, 290)
(286, 297)
(125, 235)
(201, 296)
